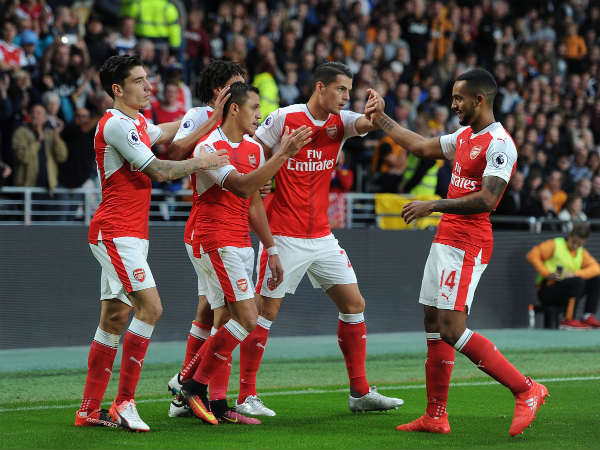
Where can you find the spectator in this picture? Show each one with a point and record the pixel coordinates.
(126, 41)
(12, 57)
(554, 187)
(388, 165)
(512, 202)
(96, 41)
(572, 212)
(567, 272)
(288, 91)
(267, 87)
(38, 151)
(28, 42)
(197, 44)
(51, 102)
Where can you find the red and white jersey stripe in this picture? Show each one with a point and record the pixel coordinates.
(490, 152)
(301, 198)
(122, 146)
(13, 55)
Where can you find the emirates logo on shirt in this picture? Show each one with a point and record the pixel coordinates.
(139, 274)
(332, 131)
(242, 284)
(475, 151)
(252, 160)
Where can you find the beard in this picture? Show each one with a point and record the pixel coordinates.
(466, 118)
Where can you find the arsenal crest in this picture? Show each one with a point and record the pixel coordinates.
(139, 275)
(252, 160)
(475, 151)
(331, 131)
(242, 284)
(271, 284)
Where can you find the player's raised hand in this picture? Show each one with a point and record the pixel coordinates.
(276, 272)
(291, 143)
(375, 104)
(415, 210)
(220, 101)
(212, 159)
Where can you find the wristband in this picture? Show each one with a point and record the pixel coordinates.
(272, 251)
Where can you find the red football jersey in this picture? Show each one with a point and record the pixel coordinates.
(122, 147)
(222, 216)
(193, 120)
(301, 199)
(490, 152)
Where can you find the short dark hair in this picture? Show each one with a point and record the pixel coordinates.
(239, 95)
(214, 76)
(480, 81)
(115, 69)
(327, 73)
(581, 230)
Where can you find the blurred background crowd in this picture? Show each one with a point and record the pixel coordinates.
(545, 55)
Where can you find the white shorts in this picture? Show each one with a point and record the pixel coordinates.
(228, 275)
(202, 288)
(325, 261)
(124, 267)
(450, 278)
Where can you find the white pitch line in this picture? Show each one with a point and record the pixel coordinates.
(313, 391)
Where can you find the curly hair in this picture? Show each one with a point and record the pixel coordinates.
(214, 76)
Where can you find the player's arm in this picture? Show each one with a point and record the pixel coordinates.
(245, 185)
(182, 148)
(257, 217)
(168, 131)
(484, 200)
(414, 143)
(164, 170)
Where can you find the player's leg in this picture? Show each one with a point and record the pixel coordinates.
(227, 280)
(114, 315)
(452, 318)
(251, 353)
(295, 260)
(438, 370)
(128, 257)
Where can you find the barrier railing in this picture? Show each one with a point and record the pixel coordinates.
(34, 206)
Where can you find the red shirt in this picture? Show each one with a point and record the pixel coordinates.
(222, 216)
(490, 152)
(122, 147)
(193, 120)
(301, 198)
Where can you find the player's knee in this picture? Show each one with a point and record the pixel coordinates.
(354, 305)
(450, 334)
(249, 323)
(115, 322)
(152, 313)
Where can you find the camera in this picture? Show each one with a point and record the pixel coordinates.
(68, 39)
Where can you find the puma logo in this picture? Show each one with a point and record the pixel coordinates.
(138, 362)
(221, 357)
(364, 336)
(106, 369)
(258, 344)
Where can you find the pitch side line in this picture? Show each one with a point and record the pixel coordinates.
(313, 391)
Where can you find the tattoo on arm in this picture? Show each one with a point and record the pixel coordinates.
(164, 170)
(384, 122)
(481, 201)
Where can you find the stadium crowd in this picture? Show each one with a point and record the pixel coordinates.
(545, 56)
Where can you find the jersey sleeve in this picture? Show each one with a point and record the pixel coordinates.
(192, 120)
(448, 143)
(154, 132)
(124, 138)
(217, 175)
(501, 156)
(349, 119)
(269, 132)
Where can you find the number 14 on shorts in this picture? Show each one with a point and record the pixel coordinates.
(448, 279)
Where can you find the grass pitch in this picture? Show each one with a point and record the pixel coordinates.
(310, 396)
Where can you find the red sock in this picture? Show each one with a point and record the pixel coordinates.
(489, 359)
(218, 350)
(352, 338)
(135, 345)
(251, 353)
(217, 386)
(198, 334)
(190, 368)
(100, 365)
(438, 369)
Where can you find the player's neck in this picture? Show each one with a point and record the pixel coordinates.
(482, 122)
(125, 109)
(232, 131)
(315, 109)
